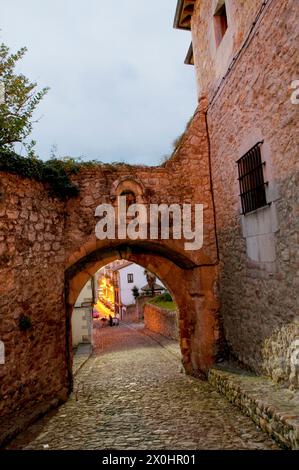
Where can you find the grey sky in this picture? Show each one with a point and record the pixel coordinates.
(119, 88)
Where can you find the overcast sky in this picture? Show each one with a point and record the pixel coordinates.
(119, 90)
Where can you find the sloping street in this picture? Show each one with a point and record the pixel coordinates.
(132, 394)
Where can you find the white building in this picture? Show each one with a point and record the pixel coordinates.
(125, 277)
(82, 315)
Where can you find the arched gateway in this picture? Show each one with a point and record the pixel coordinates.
(53, 249)
(192, 287)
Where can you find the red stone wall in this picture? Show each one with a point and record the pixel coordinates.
(31, 284)
(162, 321)
(211, 61)
(49, 250)
(185, 178)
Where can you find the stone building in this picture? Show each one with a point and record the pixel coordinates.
(125, 277)
(116, 282)
(237, 295)
(245, 59)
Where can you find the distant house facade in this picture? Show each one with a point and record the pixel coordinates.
(82, 315)
(116, 283)
(125, 278)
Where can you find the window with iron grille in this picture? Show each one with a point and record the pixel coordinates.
(251, 180)
(130, 278)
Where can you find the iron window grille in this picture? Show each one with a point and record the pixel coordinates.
(130, 278)
(251, 180)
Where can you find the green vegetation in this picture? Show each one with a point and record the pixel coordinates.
(20, 99)
(177, 142)
(135, 292)
(54, 173)
(164, 301)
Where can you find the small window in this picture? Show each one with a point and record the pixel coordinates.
(220, 23)
(130, 198)
(251, 179)
(130, 278)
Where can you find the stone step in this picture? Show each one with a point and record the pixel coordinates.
(272, 407)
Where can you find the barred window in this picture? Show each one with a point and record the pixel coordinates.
(251, 180)
(130, 278)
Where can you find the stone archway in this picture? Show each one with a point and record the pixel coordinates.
(50, 250)
(193, 288)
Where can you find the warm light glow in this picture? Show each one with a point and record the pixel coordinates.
(105, 302)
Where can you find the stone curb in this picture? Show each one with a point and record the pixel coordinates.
(273, 408)
(79, 361)
(19, 424)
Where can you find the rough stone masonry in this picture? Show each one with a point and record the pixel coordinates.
(48, 248)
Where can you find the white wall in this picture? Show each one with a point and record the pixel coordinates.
(81, 317)
(85, 294)
(81, 326)
(139, 280)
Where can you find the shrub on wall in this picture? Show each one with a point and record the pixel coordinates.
(164, 301)
(54, 173)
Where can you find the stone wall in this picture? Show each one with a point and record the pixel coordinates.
(211, 61)
(31, 286)
(175, 182)
(131, 314)
(259, 299)
(161, 320)
(140, 303)
(49, 251)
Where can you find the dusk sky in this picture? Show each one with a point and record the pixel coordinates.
(119, 89)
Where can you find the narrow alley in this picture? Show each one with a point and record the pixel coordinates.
(132, 394)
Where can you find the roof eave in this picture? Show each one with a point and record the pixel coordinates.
(190, 57)
(177, 24)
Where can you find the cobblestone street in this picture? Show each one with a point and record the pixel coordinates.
(132, 394)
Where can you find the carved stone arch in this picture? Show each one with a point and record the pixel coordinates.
(128, 185)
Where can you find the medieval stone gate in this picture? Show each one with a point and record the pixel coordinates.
(48, 248)
(53, 250)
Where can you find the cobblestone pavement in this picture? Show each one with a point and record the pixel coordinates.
(132, 394)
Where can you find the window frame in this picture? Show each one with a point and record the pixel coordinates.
(220, 23)
(130, 278)
(252, 184)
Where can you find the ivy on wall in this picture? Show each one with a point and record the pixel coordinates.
(54, 173)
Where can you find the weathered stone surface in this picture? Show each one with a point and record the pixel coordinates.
(132, 395)
(160, 320)
(272, 407)
(50, 250)
(35, 360)
(259, 301)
